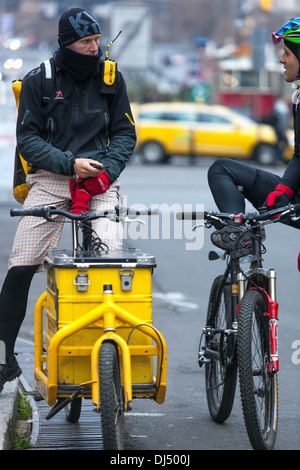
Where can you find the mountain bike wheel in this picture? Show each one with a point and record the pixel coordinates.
(111, 401)
(220, 377)
(259, 390)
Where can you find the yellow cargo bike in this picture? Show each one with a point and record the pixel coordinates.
(94, 336)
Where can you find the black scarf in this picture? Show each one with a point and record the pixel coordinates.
(80, 66)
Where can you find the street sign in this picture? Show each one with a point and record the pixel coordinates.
(133, 47)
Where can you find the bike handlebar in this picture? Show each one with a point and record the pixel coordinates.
(48, 211)
(217, 218)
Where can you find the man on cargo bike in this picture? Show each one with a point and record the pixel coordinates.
(77, 128)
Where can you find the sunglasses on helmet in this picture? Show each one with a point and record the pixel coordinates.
(277, 38)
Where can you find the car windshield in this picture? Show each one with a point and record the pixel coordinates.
(168, 116)
(212, 118)
(238, 114)
(190, 116)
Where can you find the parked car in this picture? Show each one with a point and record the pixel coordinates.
(289, 149)
(166, 129)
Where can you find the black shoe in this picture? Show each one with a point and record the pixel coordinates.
(9, 371)
(231, 238)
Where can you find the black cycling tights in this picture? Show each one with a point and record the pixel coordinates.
(13, 303)
(232, 181)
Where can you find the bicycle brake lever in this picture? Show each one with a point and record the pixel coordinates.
(126, 219)
(199, 225)
(46, 213)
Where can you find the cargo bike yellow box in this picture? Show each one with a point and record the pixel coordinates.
(88, 300)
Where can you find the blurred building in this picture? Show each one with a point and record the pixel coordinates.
(217, 50)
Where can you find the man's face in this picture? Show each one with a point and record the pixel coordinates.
(290, 64)
(87, 46)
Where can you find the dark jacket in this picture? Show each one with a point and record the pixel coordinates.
(291, 177)
(78, 122)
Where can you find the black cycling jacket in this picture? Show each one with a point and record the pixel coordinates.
(291, 176)
(78, 122)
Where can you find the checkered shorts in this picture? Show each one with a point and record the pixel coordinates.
(34, 235)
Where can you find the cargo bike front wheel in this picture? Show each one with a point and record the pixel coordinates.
(111, 397)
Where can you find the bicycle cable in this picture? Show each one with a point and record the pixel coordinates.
(91, 241)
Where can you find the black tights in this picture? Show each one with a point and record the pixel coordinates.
(232, 181)
(13, 303)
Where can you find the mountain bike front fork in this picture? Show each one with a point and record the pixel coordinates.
(269, 293)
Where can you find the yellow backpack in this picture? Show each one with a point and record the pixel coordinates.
(21, 168)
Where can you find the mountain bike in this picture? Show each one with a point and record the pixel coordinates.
(99, 341)
(241, 331)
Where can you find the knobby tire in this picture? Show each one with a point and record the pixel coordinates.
(220, 378)
(259, 388)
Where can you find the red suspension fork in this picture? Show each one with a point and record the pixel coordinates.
(273, 327)
(272, 315)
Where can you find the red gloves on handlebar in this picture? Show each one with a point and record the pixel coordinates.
(84, 189)
(280, 197)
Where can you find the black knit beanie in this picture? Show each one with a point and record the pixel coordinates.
(75, 24)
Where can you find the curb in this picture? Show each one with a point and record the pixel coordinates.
(35, 414)
(8, 412)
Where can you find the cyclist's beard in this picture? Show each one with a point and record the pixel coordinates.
(80, 66)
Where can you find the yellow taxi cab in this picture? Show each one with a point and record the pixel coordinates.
(192, 129)
(288, 151)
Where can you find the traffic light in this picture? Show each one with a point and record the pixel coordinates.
(266, 5)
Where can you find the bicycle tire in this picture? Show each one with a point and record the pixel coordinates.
(111, 397)
(259, 388)
(73, 410)
(220, 379)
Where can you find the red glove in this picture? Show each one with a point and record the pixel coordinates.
(280, 197)
(97, 185)
(80, 197)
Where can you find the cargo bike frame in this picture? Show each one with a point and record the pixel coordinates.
(99, 341)
(241, 331)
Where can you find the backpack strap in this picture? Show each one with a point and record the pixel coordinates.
(48, 79)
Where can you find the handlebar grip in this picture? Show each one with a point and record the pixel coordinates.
(143, 211)
(20, 212)
(36, 212)
(191, 215)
